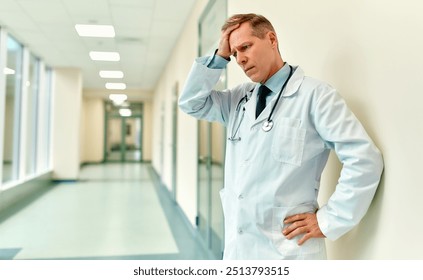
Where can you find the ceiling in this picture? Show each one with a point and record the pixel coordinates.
(146, 31)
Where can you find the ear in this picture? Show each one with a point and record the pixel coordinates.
(273, 38)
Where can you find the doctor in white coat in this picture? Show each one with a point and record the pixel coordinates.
(275, 157)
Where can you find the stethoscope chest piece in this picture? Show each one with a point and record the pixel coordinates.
(267, 126)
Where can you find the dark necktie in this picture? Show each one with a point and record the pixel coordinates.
(263, 92)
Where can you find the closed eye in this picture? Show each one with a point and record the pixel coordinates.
(241, 49)
(245, 47)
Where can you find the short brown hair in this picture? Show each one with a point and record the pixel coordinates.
(259, 24)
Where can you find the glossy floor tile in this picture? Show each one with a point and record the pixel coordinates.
(116, 211)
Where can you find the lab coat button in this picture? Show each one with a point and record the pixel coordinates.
(240, 230)
(240, 197)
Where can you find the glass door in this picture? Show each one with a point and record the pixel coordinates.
(211, 142)
(204, 180)
(174, 139)
(123, 139)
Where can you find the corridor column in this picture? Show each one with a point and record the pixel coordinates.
(66, 123)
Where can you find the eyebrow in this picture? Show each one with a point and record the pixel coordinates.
(240, 45)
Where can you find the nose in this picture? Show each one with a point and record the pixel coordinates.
(241, 59)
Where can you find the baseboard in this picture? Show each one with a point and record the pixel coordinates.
(169, 197)
(24, 192)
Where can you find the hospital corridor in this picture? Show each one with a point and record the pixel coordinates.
(115, 211)
(100, 160)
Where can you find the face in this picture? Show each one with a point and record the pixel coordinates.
(258, 58)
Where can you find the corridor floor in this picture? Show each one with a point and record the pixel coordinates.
(115, 211)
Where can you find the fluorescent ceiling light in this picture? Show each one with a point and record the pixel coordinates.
(115, 86)
(111, 74)
(8, 71)
(118, 96)
(94, 30)
(105, 56)
(125, 112)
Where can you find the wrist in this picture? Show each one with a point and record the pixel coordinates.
(223, 55)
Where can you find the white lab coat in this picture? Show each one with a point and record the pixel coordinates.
(270, 175)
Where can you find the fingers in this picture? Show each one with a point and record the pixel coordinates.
(224, 49)
(298, 225)
(304, 239)
(294, 218)
(231, 28)
(302, 224)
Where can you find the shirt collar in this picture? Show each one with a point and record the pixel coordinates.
(276, 82)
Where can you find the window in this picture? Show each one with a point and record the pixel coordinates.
(25, 130)
(44, 117)
(13, 72)
(30, 106)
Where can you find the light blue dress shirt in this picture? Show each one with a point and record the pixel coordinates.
(275, 82)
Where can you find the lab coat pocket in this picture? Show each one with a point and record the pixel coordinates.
(288, 142)
(290, 247)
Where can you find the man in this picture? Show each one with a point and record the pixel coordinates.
(275, 156)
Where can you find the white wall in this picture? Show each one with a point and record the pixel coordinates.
(177, 69)
(371, 51)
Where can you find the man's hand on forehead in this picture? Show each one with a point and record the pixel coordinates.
(224, 49)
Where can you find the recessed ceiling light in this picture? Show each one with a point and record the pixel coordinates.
(111, 74)
(94, 30)
(105, 56)
(118, 97)
(125, 112)
(8, 71)
(115, 86)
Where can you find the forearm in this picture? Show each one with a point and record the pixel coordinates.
(198, 98)
(362, 167)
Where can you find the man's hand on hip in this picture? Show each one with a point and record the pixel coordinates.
(306, 224)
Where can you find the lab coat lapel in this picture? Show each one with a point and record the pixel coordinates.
(294, 83)
(250, 106)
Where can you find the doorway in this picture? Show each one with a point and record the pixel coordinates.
(123, 133)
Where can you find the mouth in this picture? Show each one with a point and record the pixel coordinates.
(248, 69)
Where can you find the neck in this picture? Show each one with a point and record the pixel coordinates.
(279, 63)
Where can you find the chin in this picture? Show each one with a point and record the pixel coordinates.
(254, 79)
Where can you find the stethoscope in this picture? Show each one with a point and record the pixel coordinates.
(267, 125)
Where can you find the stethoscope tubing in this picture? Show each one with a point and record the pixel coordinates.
(280, 94)
(268, 122)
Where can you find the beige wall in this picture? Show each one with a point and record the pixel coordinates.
(92, 130)
(175, 73)
(92, 124)
(371, 51)
(66, 123)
